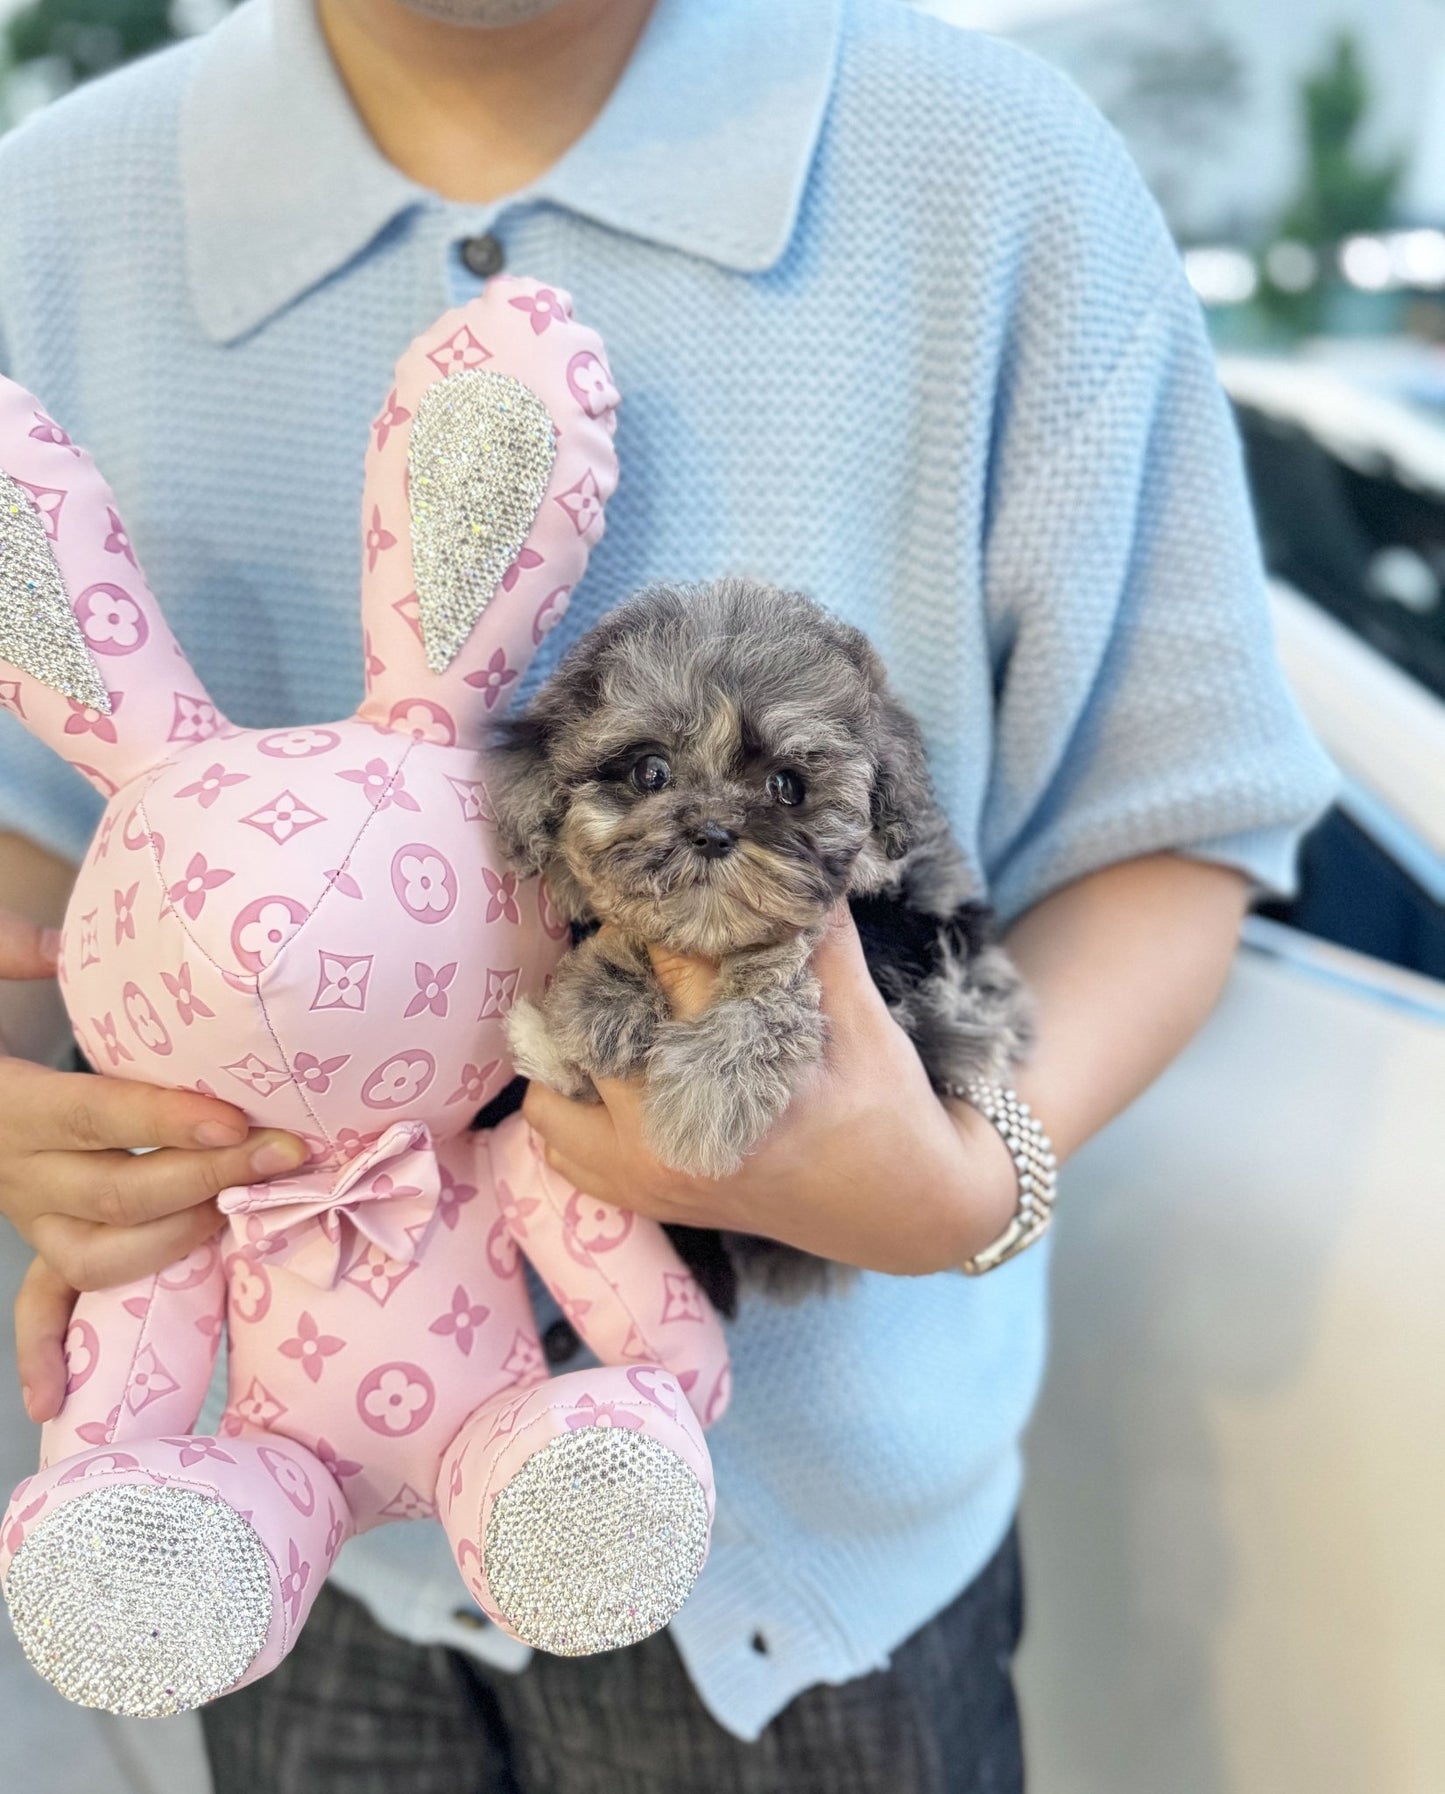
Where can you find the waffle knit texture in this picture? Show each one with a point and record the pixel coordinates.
(895, 323)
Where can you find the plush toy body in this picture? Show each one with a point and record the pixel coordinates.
(315, 924)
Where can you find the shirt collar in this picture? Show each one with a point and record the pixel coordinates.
(704, 147)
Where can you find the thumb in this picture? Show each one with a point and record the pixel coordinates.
(841, 968)
(26, 949)
(687, 983)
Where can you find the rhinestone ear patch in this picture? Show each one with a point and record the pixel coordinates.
(480, 457)
(38, 631)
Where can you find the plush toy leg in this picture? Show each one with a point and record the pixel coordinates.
(139, 1357)
(150, 1579)
(579, 1509)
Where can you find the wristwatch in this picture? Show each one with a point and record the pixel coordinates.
(1033, 1156)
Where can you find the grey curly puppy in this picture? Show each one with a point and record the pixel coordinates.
(711, 769)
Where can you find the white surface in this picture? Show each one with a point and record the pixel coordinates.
(1367, 430)
(1233, 1534)
(1380, 726)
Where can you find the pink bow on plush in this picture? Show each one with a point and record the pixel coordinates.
(389, 1193)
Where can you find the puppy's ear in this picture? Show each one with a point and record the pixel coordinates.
(528, 798)
(902, 796)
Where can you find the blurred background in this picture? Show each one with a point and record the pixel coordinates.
(1234, 1525)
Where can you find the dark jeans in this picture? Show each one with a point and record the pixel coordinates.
(355, 1710)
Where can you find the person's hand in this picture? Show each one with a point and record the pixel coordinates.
(95, 1212)
(867, 1166)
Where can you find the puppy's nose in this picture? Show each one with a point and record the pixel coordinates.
(713, 841)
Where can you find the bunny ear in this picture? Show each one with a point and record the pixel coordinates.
(86, 660)
(486, 478)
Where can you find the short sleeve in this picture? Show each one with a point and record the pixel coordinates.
(1140, 707)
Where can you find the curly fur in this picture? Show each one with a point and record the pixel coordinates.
(728, 683)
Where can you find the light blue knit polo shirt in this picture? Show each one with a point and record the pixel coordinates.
(895, 323)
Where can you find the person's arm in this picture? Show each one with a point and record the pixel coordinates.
(70, 1184)
(868, 1167)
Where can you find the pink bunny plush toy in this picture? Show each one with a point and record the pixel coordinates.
(315, 923)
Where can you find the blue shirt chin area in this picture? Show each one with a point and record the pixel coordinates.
(895, 323)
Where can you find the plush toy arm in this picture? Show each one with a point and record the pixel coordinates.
(615, 1276)
(140, 1357)
(92, 669)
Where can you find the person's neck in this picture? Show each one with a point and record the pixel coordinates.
(471, 114)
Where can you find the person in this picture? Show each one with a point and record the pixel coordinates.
(896, 324)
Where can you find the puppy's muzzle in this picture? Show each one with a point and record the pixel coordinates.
(713, 841)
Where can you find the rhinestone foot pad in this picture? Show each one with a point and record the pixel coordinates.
(596, 1541)
(143, 1601)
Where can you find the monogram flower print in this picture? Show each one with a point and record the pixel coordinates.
(285, 817)
(381, 786)
(83, 720)
(111, 622)
(493, 679)
(582, 503)
(590, 1412)
(190, 893)
(311, 1347)
(342, 981)
(396, 1399)
(461, 1320)
(378, 539)
(188, 1004)
(124, 918)
(545, 307)
(193, 719)
(474, 1083)
(501, 896)
(315, 1074)
(212, 782)
(392, 417)
(431, 989)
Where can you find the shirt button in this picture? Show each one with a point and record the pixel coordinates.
(474, 1622)
(560, 1342)
(483, 256)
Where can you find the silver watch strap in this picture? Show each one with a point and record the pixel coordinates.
(1033, 1156)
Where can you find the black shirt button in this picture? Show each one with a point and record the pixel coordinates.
(560, 1342)
(483, 256)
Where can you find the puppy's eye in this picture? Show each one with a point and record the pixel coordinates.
(786, 786)
(650, 773)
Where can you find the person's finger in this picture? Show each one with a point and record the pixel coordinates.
(687, 982)
(89, 1256)
(582, 1133)
(842, 970)
(51, 1110)
(578, 1176)
(122, 1189)
(26, 949)
(42, 1317)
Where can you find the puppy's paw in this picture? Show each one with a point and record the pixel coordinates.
(687, 1127)
(718, 1083)
(537, 1055)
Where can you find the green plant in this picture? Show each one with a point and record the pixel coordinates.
(56, 44)
(1343, 190)
(87, 37)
